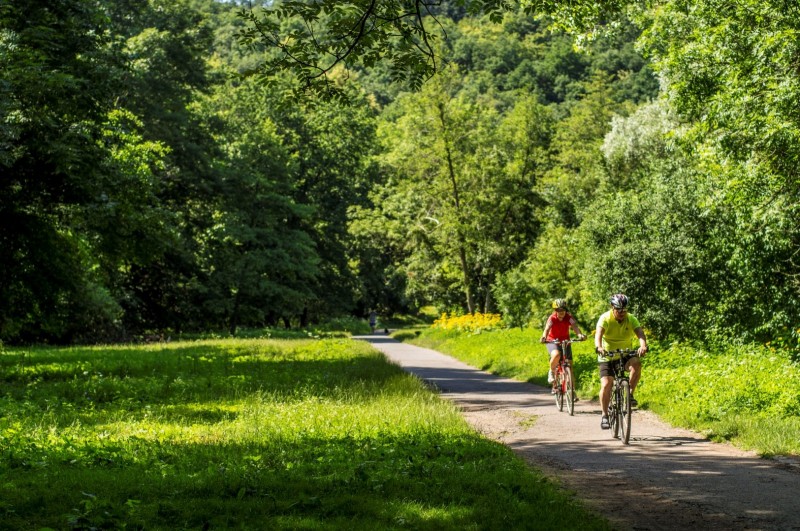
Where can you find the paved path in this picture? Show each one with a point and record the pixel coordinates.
(667, 478)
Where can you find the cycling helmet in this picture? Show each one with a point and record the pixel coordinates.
(619, 301)
(559, 303)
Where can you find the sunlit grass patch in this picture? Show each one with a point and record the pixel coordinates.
(749, 395)
(248, 434)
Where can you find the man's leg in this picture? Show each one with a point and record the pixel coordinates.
(605, 393)
(635, 368)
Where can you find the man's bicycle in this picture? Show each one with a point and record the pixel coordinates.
(563, 377)
(619, 409)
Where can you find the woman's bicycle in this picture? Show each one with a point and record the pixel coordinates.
(619, 409)
(563, 378)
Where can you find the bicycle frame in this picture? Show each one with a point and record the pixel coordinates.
(564, 377)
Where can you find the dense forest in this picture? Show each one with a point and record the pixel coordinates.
(155, 179)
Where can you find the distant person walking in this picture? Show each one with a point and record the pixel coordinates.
(615, 330)
(373, 320)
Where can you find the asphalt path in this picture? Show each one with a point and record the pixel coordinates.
(667, 478)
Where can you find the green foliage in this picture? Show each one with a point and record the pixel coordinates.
(552, 272)
(258, 263)
(314, 40)
(253, 434)
(731, 71)
(747, 394)
(464, 197)
(512, 291)
(56, 84)
(152, 189)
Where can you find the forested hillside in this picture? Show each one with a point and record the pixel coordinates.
(156, 180)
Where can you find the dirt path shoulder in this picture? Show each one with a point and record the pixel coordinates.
(667, 478)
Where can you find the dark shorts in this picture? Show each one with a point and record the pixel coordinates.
(606, 367)
(551, 347)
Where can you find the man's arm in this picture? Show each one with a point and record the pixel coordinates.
(598, 339)
(642, 341)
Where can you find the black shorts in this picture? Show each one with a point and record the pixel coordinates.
(606, 368)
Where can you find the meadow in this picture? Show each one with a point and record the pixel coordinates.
(315, 433)
(746, 394)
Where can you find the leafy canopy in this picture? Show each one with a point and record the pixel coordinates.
(313, 39)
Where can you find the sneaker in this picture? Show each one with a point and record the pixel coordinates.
(575, 397)
(550, 377)
(604, 423)
(634, 402)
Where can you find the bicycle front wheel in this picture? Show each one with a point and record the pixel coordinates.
(613, 412)
(559, 389)
(625, 412)
(569, 390)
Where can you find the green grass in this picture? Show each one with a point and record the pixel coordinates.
(749, 395)
(250, 434)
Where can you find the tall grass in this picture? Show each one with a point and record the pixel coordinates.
(747, 394)
(249, 434)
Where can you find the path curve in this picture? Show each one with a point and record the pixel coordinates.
(666, 479)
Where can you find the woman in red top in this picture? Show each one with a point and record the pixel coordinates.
(557, 328)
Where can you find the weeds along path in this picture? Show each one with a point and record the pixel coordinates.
(667, 478)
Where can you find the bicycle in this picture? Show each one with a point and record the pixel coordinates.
(563, 377)
(619, 409)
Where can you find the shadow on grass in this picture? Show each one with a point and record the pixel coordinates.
(95, 381)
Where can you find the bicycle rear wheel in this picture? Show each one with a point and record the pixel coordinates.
(625, 412)
(560, 389)
(569, 390)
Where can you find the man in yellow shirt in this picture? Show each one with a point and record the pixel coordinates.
(615, 330)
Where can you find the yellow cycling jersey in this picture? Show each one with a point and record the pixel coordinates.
(617, 335)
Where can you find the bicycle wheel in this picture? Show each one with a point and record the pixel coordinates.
(625, 412)
(613, 415)
(569, 390)
(560, 389)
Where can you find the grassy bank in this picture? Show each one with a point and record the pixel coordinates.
(749, 395)
(250, 434)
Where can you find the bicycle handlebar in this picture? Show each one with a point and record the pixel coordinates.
(565, 341)
(631, 352)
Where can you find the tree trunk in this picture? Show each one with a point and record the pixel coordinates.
(462, 247)
(488, 302)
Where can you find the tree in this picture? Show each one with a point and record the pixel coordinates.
(312, 39)
(731, 70)
(258, 261)
(654, 230)
(163, 46)
(463, 179)
(57, 80)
